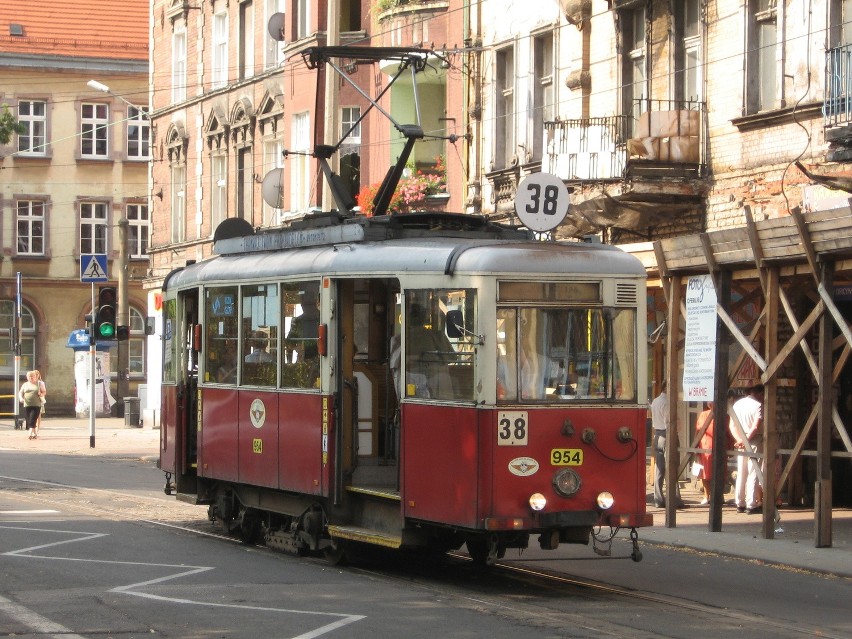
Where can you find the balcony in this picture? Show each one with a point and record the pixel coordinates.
(837, 108)
(587, 149)
(633, 177)
(386, 9)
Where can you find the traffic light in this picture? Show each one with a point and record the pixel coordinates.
(105, 316)
(122, 333)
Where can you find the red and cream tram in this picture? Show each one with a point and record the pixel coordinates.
(411, 381)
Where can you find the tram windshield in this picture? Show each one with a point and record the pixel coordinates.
(438, 366)
(551, 353)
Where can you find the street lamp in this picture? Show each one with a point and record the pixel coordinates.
(100, 86)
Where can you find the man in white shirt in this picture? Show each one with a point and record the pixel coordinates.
(748, 411)
(659, 423)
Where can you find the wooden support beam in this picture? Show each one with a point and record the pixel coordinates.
(796, 340)
(719, 457)
(672, 375)
(770, 405)
(825, 402)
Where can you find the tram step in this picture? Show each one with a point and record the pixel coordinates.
(375, 491)
(365, 535)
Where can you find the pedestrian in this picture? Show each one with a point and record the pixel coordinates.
(42, 387)
(705, 459)
(30, 396)
(748, 441)
(659, 423)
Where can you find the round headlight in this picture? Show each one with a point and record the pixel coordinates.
(605, 500)
(566, 482)
(537, 501)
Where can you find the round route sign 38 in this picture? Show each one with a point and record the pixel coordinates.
(541, 201)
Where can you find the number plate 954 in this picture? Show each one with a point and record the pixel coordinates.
(566, 457)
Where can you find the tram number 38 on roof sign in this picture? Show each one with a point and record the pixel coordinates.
(541, 201)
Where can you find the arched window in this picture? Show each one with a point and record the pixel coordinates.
(27, 338)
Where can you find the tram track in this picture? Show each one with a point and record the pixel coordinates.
(546, 599)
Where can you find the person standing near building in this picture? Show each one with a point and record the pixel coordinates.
(659, 422)
(42, 387)
(748, 412)
(30, 396)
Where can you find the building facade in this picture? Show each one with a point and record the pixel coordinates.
(79, 166)
(239, 107)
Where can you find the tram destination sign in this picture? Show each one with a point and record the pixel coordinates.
(296, 238)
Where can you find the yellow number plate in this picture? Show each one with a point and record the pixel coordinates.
(257, 445)
(566, 457)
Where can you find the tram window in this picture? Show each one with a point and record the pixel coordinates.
(220, 348)
(260, 313)
(437, 367)
(559, 354)
(300, 360)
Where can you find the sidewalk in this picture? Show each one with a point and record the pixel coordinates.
(793, 545)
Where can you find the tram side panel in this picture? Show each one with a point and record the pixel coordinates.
(218, 447)
(301, 439)
(258, 438)
(440, 464)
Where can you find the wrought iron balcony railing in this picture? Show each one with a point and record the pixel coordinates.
(586, 149)
(837, 108)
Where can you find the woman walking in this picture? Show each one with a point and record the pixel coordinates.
(30, 395)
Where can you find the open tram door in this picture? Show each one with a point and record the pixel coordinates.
(367, 328)
(179, 408)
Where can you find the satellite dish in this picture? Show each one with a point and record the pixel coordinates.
(272, 188)
(275, 26)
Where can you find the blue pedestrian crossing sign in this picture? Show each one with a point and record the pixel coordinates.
(93, 268)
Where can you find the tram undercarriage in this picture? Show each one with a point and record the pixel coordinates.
(300, 525)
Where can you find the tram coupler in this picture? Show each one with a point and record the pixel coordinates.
(169, 487)
(636, 555)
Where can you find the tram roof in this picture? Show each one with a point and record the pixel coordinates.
(438, 255)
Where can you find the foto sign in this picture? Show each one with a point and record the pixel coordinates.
(541, 201)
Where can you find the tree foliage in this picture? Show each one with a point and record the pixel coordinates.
(9, 125)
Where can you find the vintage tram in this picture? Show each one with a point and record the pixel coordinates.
(411, 381)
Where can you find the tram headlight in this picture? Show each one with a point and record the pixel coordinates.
(605, 500)
(538, 501)
(566, 482)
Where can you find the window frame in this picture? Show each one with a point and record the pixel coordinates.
(505, 128)
(138, 133)
(31, 220)
(219, 71)
(28, 338)
(97, 236)
(138, 229)
(27, 145)
(179, 64)
(94, 130)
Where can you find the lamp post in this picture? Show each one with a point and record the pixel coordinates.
(123, 314)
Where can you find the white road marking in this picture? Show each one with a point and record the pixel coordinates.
(342, 619)
(35, 621)
(29, 512)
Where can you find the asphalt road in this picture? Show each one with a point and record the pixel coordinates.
(91, 547)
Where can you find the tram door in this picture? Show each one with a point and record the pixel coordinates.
(178, 453)
(369, 407)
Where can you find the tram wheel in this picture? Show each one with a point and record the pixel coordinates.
(477, 548)
(335, 554)
(250, 529)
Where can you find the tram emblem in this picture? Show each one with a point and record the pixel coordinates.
(257, 412)
(523, 466)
